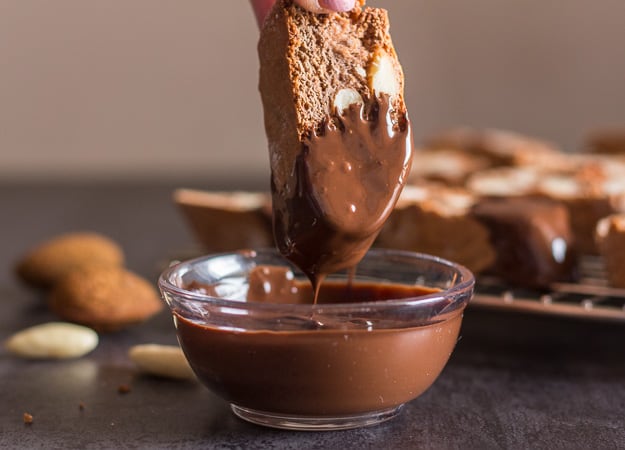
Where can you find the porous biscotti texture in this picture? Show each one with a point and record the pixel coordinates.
(306, 59)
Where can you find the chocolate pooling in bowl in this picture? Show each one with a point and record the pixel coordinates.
(326, 365)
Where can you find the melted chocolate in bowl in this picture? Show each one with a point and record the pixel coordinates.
(345, 184)
(318, 372)
(353, 359)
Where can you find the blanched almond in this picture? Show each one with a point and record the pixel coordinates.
(54, 340)
(383, 75)
(161, 360)
(345, 98)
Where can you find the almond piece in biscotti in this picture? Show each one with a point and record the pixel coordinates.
(104, 298)
(45, 264)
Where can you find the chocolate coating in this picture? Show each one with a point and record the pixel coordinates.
(533, 239)
(345, 184)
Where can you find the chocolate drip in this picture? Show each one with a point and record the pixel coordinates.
(345, 184)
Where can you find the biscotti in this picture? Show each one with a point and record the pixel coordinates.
(590, 186)
(503, 182)
(610, 141)
(610, 236)
(532, 237)
(500, 147)
(433, 219)
(451, 167)
(588, 197)
(313, 64)
(227, 221)
(339, 137)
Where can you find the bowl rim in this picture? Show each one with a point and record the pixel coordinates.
(465, 286)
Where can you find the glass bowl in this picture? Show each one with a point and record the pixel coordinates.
(376, 339)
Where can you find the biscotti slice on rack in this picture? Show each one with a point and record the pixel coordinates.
(435, 219)
(610, 236)
(500, 147)
(589, 196)
(532, 238)
(608, 141)
(227, 221)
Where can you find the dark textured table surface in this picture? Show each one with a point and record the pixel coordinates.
(514, 381)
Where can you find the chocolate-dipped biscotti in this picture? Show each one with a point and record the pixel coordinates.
(339, 138)
(532, 238)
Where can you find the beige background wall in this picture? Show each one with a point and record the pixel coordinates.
(123, 88)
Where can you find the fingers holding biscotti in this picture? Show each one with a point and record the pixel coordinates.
(261, 7)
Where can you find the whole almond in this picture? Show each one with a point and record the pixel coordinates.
(161, 360)
(104, 298)
(53, 340)
(45, 264)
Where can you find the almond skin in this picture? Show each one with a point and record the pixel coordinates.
(104, 298)
(47, 263)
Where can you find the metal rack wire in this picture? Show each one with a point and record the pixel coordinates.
(588, 298)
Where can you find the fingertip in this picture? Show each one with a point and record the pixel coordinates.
(261, 8)
(326, 6)
(338, 5)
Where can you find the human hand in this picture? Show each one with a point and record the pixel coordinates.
(262, 7)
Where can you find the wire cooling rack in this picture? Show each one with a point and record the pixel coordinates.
(588, 298)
